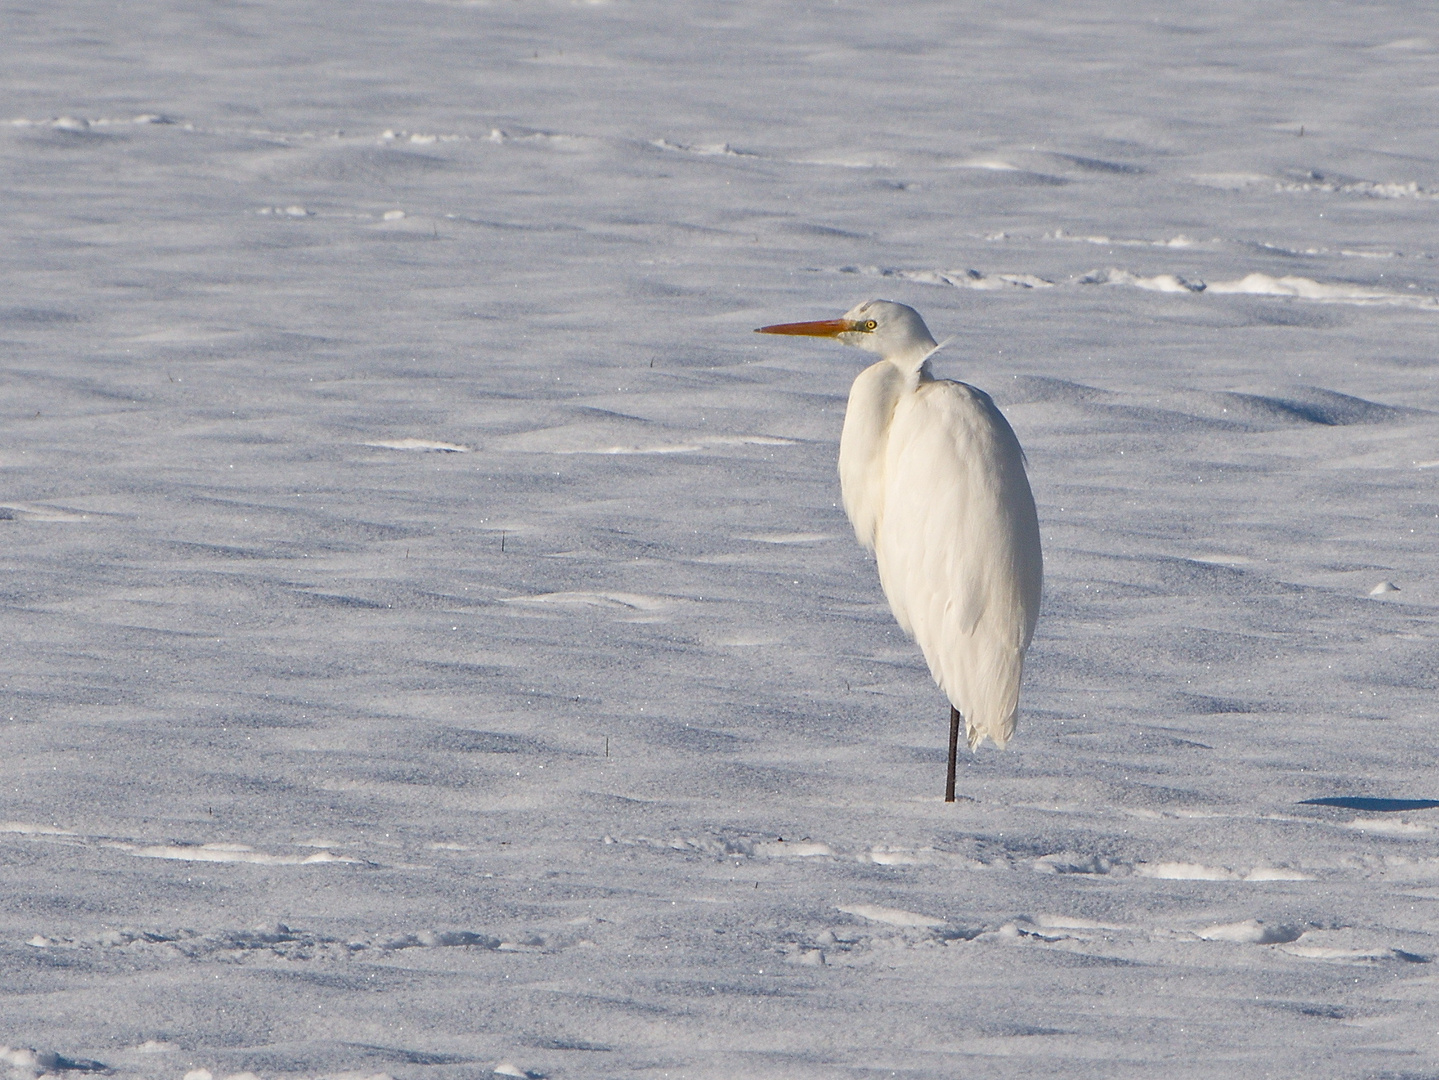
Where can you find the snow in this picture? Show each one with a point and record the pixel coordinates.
(433, 646)
(888, 916)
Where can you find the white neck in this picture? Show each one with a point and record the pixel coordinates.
(913, 362)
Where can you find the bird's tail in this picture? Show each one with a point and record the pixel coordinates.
(999, 733)
(988, 695)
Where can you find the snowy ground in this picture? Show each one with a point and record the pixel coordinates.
(432, 644)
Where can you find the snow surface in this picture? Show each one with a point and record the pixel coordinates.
(433, 646)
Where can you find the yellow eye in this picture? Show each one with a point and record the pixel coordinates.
(870, 324)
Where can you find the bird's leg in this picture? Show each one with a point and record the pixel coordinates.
(953, 753)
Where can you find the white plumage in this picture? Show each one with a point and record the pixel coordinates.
(934, 483)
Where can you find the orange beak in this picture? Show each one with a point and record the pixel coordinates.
(825, 328)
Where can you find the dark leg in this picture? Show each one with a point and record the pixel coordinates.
(953, 753)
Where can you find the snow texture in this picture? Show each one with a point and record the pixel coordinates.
(433, 646)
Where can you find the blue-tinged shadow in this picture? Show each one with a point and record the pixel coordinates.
(1378, 806)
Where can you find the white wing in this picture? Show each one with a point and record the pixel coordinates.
(957, 542)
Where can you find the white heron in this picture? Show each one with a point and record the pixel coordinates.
(933, 481)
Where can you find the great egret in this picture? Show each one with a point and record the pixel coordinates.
(933, 481)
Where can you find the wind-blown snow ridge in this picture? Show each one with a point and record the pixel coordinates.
(786, 538)
(391, 135)
(702, 149)
(1260, 284)
(1350, 956)
(889, 916)
(1103, 866)
(213, 852)
(1214, 243)
(430, 445)
(1390, 826)
(683, 447)
(990, 164)
(235, 853)
(1316, 181)
(1303, 288)
(1179, 241)
(37, 512)
(1254, 284)
(623, 601)
(1156, 283)
(960, 279)
(78, 123)
(1346, 253)
(282, 941)
(555, 139)
(1064, 863)
(1250, 932)
(27, 829)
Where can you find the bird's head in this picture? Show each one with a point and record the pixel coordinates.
(894, 331)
